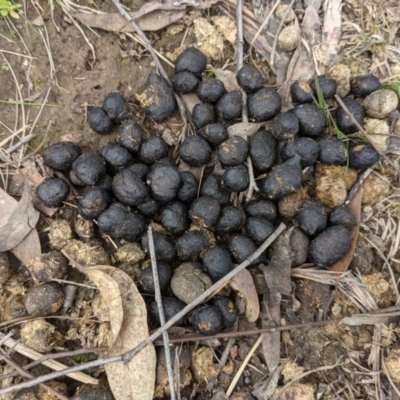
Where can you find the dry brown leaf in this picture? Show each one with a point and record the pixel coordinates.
(21, 221)
(245, 129)
(190, 100)
(355, 208)
(243, 282)
(29, 247)
(153, 16)
(228, 78)
(134, 381)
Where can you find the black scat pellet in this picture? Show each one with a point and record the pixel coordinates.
(206, 319)
(236, 179)
(195, 151)
(263, 150)
(312, 120)
(301, 92)
(166, 161)
(249, 78)
(116, 156)
(285, 126)
(98, 120)
(261, 208)
(326, 85)
(229, 106)
(212, 187)
(185, 82)
(233, 151)
(283, 180)
(189, 187)
(129, 189)
(53, 191)
(140, 170)
(306, 148)
(217, 261)
(149, 207)
(116, 107)
(312, 218)
(205, 211)
(158, 99)
(242, 247)
(130, 136)
(171, 306)
(93, 203)
(104, 183)
(164, 276)
(210, 90)
(215, 134)
(363, 156)
(227, 308)
(344, 122)
(112, 218)
(264, 104)
(175, 217)
(329, 246)
(231, 220)
(202, 115)
(132, 228)
(153, 149)
(192, 244)
(163, 247)
(332, 150)
(342, 216)
(164, 181)
(362, 86)
(192, 60)
(259, 229)
(61, 155)
(89, 168)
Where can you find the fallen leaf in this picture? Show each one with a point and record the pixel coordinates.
(228, 78)
(135, 380)
(245, 129)
(153, 16)
(264, 389)
(190, 100)
(22, 220)
(355, 208)
(29, 247)
(244, 284)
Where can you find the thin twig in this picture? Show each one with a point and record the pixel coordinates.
(265, 22)
(150, 49)
(161, 312)
(362, 130)
(126, 357)
(243, 366)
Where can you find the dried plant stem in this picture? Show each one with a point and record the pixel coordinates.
(266, 20)
(126, 357)
(150, 49)
(161, 312)
(243, 366)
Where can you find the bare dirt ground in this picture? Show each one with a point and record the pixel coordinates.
(45, 50)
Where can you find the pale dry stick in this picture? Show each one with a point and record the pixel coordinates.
(150, 49)
(74, 283)
(160, 307)
(301, 376)
(278, 31)
(23, 141)
(55, 365)
(362, 130)
(26, 374)
(265, 22)
(243, 366)
(53, 356)
(5, 337)
(126, 357)
(7, 139)
(239, 23)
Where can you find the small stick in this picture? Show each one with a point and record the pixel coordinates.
(126, 357)
(161, 312)
(265, 22)
(243, 366)
(26, 374)
(23, 141)
(150, 49)
(361, 129)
